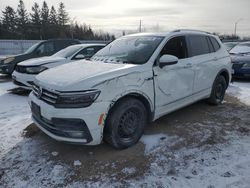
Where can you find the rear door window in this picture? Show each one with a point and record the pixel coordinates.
(198, 45)
(211, 47)
(46, 48)
(215, 43)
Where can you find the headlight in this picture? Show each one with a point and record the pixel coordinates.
(246, 65)
(77, 99)
(35, 70)
(8, 60)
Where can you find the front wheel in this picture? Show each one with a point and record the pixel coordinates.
(125, 123)
(218, 91)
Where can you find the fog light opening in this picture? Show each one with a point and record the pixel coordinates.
(76, 134)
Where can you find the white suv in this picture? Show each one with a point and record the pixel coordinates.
(135, 79)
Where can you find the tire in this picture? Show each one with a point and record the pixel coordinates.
(218, 91)
(125, 123)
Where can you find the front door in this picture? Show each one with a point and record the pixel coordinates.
(173, 83)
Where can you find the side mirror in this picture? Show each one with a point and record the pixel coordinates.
(79, 56)
(167, 60)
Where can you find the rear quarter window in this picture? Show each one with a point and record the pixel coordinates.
(198, 45)
(215, 43)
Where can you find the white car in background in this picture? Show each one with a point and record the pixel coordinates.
(132, 81)
(25, 71)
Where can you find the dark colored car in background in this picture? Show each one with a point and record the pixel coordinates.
(43, 48)
(230, 45)
(240, 55)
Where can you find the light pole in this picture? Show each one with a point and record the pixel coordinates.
(235, 26)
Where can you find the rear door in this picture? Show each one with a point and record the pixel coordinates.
(204, 61)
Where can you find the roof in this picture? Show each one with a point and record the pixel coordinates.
(164, 34)
(89, 44)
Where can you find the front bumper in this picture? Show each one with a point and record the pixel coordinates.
(6, 68)
(53, 121)
(23, 80)
(241, 73)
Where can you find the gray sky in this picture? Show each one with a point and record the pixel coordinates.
(156, 15)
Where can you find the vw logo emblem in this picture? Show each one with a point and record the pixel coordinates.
(39, 92)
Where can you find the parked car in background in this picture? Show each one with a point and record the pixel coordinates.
(240, 55)
(25, 72)
(43, 48)
(133, 80)
(230, 45)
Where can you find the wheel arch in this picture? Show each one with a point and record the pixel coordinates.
(225, 74)
(137, 95)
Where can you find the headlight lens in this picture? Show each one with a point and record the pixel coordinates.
(246, 65)
(8, 60)
(77, 99)
(35, 70)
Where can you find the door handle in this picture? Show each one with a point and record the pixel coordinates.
(188, 65)
(215, 59)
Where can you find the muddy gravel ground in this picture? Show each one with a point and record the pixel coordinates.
(192, 147)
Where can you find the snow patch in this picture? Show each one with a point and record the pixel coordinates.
(152, 141)
(58, 174)
(128, 170)
(77, 163)
(54, 153)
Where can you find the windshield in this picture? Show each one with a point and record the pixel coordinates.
(67, 52)
(32, 48)
(131, 49)
(241, 49)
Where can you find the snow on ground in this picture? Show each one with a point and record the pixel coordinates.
(14, 117)
(241, 90)
(223, 165)
(152, 141)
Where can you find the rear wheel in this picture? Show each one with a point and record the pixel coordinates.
(125, 123)
(218, 90)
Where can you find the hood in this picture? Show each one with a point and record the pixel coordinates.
(240, 58)
(41, 61)
(81, 75)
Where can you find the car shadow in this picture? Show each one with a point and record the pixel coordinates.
(5, 78)
(19, 91)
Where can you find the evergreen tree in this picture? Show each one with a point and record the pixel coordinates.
(36, 20)
(44, 24)
(22, 19)
(53, 16)
(9, 20)
(45, 19)
(45, 13)
(63, 17)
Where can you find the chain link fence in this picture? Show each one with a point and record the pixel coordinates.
(13, 47)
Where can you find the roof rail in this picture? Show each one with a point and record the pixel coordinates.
(179, 30)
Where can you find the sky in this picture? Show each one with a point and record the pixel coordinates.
(156, 15)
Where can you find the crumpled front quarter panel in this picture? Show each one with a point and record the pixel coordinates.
(135, 82)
